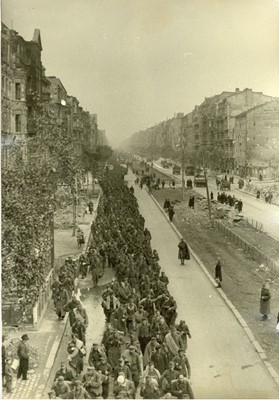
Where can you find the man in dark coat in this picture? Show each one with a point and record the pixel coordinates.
(191, 203)
(218, 272)
(265, 301)
(183, 251)
(171, 213)
(23, 355)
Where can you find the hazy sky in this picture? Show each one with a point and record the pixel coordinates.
(137, 62)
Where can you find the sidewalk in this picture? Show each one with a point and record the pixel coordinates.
(223, 360)
(50, 332)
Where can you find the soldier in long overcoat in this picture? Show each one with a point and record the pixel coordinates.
(183, 251)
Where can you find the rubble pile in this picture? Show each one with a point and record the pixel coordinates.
(264, 188)
(201, 216)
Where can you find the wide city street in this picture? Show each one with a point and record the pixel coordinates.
(253, 209)
(121, 279)
(224, 362)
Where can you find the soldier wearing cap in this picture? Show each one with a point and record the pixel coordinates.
(92, 382)
(181, 388)
(23, 355)
(167, 377)
(61, 388)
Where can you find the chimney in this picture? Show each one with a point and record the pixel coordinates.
(237, 90)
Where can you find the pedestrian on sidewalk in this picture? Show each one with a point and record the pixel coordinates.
(239, 205)
(23, 355)
(191, 203)
(167, 204)
(80, 237)
(173, 184)
(218, 272)
(265, 302)
(91, 207)
(171, 213)
(183, 251)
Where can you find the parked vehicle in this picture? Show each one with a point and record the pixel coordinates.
(225, 185)
(199, 180)
(176, 169)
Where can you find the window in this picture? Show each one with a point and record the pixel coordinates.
(18, 123)
(18, 91)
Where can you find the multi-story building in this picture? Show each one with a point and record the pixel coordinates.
(28, 96)
(209, 130)
(256, 133)
(24, 87)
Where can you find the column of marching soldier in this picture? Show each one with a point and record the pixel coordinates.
(143, 352)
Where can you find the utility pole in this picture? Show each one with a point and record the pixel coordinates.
(207, 191)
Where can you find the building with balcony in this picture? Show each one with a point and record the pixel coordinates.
(24, 87)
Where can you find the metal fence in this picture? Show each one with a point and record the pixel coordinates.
(256, 224)
(254, 252)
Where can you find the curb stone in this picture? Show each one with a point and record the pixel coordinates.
(238, 316)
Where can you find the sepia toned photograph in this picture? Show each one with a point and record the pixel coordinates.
(140, 199)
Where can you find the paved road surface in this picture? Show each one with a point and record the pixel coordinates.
(267, 214)
(224, 363)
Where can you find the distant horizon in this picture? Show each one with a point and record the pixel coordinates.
(137, 63)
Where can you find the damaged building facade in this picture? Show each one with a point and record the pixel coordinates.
(212, 135)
